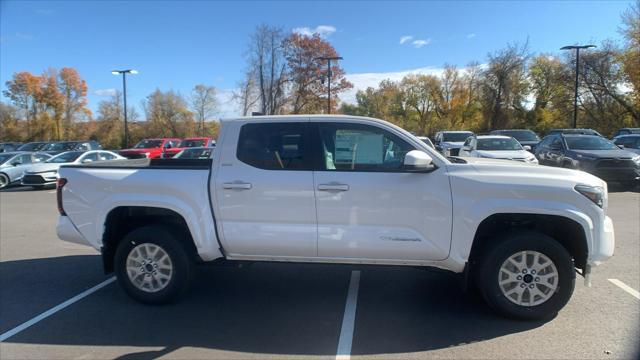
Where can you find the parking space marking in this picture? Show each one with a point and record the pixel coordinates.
(52, 192)
(626, 288)
(349, 318)
(55, 309)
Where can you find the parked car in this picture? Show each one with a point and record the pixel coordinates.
(14, 164)
(33, 146)
(341, 189)
(150, 148)
(496, 147)
(427, 141)
(9, 146)
(188, 143)
(626, 131)
(593, 154)
(450, 142)
(46, 173)
(574, 131)
(527, 138)
(58, 147)
(195, 153)
(629, 142)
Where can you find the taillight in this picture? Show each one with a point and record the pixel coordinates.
(59, 185)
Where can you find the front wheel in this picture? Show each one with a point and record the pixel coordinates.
(4, 181)
(527, 275)
(152, 265)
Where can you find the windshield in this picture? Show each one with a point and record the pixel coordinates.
(148, 144)
(194, 154)
(499, 144)
(70, 156)
(589, 143)
(521, 135)
(456, 137)
(61, 146)
(31, 147)
(4, 158)
(192, 143)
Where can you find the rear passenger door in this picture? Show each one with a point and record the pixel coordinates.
(264, 190)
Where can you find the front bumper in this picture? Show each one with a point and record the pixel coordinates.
(39, 179)
(604, 243)
(66, 231)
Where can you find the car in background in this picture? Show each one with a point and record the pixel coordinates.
(46, 173)
(13, 165)
(59, 147)
(626, 131)
(574, 131)
(427, 141)
(592, 154)
(449, 143)
(496, 147)
(195, 153)
(33, 146)
(629, 142)
(525, 137)
(150, 148)
(189, 143)
(9, 146)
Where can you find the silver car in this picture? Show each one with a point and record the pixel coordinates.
(13, 165)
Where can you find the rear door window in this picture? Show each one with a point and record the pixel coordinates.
(275, 146)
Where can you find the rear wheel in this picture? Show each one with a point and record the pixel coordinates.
(4, 181)
(527, 275)
(152, 265)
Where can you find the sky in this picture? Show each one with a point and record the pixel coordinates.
(178, 44)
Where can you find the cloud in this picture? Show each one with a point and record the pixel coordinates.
(405, 38)
(105, 92)
(420, 43)
(471, 35)
(322, 30)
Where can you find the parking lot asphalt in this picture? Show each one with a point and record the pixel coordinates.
(294, 310)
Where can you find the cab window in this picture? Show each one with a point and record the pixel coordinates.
(355, 147)
(275, 146)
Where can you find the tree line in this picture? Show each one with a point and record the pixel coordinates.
(515, 89)
(285, 74)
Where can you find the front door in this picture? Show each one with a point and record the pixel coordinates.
(368, 206)
(264, 190)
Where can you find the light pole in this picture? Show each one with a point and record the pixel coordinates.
(575, 99)
(124, 93)
(329, 58)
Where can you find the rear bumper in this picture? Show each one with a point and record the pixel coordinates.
(604, 243)
(66, 231)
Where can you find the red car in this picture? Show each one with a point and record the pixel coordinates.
(189, 143)
(150, 148)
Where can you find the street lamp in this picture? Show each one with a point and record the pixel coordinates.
(329, 58)
(575, 99)
(124, 91)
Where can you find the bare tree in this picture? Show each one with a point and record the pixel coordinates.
(203, 104)
(247, 95)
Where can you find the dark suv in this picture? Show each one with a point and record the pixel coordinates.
(574, 131)
(62, 146)
(593, 154)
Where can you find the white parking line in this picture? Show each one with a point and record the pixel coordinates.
(52, 192)
(55, 309)
(349, 318)
(626, 288)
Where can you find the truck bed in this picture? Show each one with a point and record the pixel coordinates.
(191, 164)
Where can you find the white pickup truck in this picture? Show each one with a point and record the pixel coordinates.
(341, 189)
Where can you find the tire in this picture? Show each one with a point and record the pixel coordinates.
(547, 299)
(155, 289)
(4, 181)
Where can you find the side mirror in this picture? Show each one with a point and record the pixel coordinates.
(86, 161)
(15, 163)
(418, 161)
(527, 147)
(466, 148)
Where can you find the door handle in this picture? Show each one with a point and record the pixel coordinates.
(333, 187)
(237, 185)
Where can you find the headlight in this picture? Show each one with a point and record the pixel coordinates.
(636, 160)
(593, 193)
(584, 157)
(532, 160)
(147, 154)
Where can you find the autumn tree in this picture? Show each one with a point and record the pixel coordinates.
(308, 74)
(168, 115)
(9, 125)
(74, 91)
(203, 104)
(24, 91)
